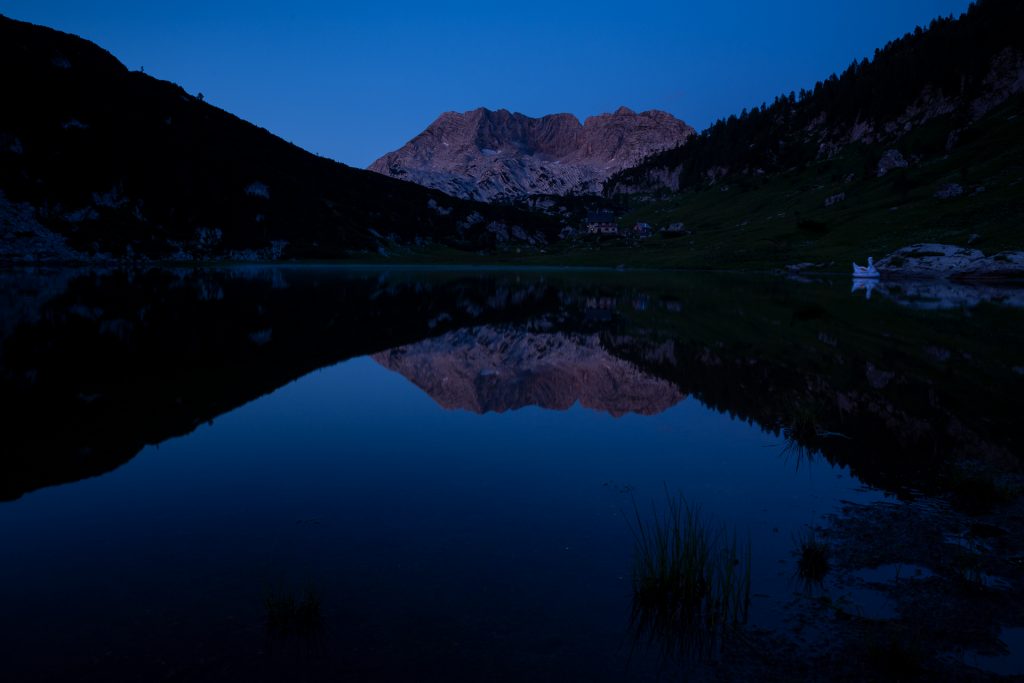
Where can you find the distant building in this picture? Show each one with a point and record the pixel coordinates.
(602, 223)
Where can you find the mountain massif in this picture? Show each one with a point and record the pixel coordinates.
(500, 155)
(915, 153)
(98, 162)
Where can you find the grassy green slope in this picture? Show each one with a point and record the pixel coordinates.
(784, 219)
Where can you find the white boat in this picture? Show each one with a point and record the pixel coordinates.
(869, 271)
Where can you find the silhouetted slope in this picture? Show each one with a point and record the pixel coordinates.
(117, 162)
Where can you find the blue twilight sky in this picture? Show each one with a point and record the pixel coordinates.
(353, 80)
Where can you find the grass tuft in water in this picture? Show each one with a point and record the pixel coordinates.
(802, 435)
(691, 581)
(813, 557)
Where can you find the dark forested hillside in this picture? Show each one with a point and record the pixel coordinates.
(100, 161)
(956, 68)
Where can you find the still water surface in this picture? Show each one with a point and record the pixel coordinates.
(450, 461)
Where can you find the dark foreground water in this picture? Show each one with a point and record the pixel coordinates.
(451, 463)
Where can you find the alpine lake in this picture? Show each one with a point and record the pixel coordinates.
(322, 473)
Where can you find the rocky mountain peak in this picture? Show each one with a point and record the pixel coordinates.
(497, 155)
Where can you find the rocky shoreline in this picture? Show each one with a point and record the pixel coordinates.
(916, 590)
(952, 262)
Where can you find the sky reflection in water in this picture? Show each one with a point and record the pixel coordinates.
(437, 538)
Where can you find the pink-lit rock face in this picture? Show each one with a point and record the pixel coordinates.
(488, 155)
(485, 369)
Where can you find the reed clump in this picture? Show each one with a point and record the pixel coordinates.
(691, 580)
(812, 557)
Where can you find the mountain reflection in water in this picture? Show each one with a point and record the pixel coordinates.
(485, 369)
(95, 365)
(273, 490)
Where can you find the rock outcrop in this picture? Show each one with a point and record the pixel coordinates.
(485, 369)
(891, 159)
(947, 260)
(495, 155)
